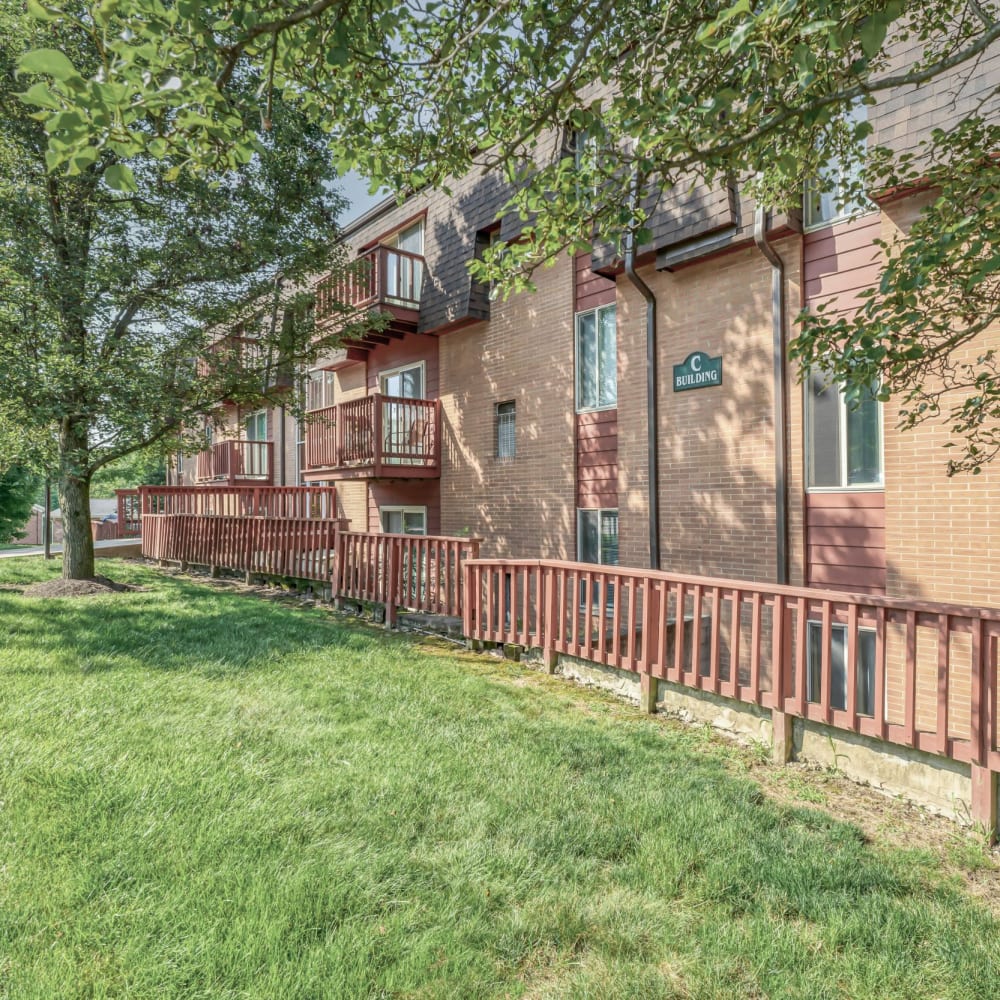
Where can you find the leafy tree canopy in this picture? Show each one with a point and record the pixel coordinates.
(141, 468)
(411, 93)
(18, 488)
(121, 270)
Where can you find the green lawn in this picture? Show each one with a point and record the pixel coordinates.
(204, 794)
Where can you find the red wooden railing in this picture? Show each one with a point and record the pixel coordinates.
(309, 502)
(129, 513)
(388, 434)
(297, 547)
(418, 572)
(275, 530)
(381, 275)
(915, 673)
(294, 531)
(236, 461)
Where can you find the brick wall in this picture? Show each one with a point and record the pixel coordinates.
(942, 535)
(716, 445)
(524, 506)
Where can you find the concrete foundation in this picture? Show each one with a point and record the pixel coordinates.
(941, 785)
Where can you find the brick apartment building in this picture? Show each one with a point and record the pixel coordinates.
(525, 422)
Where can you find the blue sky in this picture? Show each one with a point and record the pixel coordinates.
(355, 190)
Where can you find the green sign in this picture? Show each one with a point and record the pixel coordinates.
(699, 371)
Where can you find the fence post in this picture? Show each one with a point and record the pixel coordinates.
(339, 560)
(468, 612)
(549, 654)
(985, 794)
(391, 551)
(782, 724)
(984, 800)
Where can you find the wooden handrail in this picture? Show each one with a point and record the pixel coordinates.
(377, 432)
(900, 669)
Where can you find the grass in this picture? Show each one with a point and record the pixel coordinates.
(204, 795)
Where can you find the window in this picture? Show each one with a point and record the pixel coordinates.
(404, 278)
(865, 687)
(300, 452)
(404, 520)
(406, 383)
(597, 536)
(596, 359)
(319, 390)
(833, 195)
(257, 426)
(843, 442)
(506, 416)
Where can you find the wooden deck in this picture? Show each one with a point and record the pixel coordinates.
(375, 437)
(385, 282)
(236, 463)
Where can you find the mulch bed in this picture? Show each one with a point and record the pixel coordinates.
(78, 588)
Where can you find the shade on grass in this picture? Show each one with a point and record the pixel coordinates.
(207, 795)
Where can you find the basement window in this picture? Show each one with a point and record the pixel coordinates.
(506, 430)
(865, 686)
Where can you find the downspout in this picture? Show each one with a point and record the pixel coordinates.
(284, 420)
(780, 431)
(652, 402)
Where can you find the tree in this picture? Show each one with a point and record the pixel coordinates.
(122, 272)
(18, 488)
(411, 94)
(141, 468)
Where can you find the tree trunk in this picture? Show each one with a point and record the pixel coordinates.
(74, 499)
(78, 539)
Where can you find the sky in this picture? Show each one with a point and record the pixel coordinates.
(355, 190)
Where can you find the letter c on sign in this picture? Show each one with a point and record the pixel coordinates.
(696, 363)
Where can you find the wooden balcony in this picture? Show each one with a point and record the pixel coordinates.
(376, 437)
(383, 280)
(237, 463)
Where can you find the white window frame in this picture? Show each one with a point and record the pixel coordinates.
(496, 428)
(399, 369)
(878, 487)
(835, 170)
(300, 451)
(402, 511)
(580, 408)
(327, 380)
(393, 240)
(255, 416)
(600, 512)
(815, 697)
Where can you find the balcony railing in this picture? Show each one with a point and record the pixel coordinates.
(379, 277)
(381, 436)
(236, 463)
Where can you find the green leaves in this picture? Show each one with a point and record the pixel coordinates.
(47, 62)
(119, 177)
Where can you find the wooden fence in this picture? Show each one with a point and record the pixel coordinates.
(274, 530)
(913, 673)
(293, 531)
(419, 572)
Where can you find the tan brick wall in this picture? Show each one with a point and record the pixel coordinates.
(524, 507)
(716, 476)
(942, 535)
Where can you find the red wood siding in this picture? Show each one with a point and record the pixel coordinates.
(590, 290)
(412, 493)
(845, 532)
(597, 459)
(840, 261)
(409, 350)
(845, 541)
